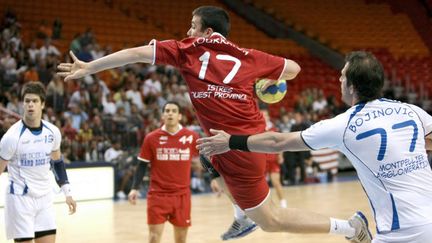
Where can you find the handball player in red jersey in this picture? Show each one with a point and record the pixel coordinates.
(221, 77)
(169, 150)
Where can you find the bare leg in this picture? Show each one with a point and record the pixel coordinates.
(180, 234)
(275, 180)
(155, 232)
(275, 219)
(46, 239)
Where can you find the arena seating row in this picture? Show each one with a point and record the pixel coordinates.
(349, 24)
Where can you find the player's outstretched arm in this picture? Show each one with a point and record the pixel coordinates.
(268, 142)
(79, 69)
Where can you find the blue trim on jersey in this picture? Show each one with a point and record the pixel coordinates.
(25, 191)
(22, 130)
(11, 188)
(358, 108)
(395, 223)
(304, 141)
(373, 208)
(36, 132)
(389, 100)
(43, 125)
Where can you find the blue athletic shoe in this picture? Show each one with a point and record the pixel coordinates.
(361, 225)
(239, 229)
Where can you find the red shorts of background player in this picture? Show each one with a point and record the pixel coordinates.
(273, 166)
(174, 208)
(245, 176)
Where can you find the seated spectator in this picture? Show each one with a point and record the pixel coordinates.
(123, 172)
(33, 52)
(109, 106)
(43, 31)
(48, 49)
(75, 45)
(56, 29)
(77, 116)
(80, 97)
(55, 93)
(31, 74)
(15, 105)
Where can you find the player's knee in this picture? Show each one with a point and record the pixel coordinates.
(180, 239)
(154, 236)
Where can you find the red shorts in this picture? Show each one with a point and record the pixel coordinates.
(174, 208)
(245, 175)
(273, 166)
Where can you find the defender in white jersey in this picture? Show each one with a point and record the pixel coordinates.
(30, 149)
(385, 140)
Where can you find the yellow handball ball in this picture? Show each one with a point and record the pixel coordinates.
(273, 94)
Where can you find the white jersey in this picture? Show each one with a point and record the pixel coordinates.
(384, 140)
(29, 153)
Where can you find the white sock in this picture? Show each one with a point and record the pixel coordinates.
(283, 203)
(341, 227)
(238, 212)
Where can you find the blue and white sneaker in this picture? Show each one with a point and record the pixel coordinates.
(361, 225)
(239, 229)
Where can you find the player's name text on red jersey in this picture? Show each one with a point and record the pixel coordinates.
(218, 91)
(173, 154)
(221, 41)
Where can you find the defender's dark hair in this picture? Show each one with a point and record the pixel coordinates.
(172, 103)
(366, 74)
(215, 18)
(36, 88)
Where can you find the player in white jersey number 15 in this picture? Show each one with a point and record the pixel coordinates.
(30, 149)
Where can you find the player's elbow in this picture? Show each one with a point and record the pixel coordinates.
(295, 68)
(292, 69)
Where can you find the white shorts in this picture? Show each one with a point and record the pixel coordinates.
(25, 215)
(418, 234)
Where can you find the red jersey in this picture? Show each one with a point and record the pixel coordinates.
(170, 157)
(221, 78)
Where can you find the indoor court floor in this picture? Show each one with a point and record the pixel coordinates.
(118, 222)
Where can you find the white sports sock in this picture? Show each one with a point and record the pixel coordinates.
(238, 212)
(283, 203)
(341, 227)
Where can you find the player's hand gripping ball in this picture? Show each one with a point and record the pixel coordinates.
(273, 94)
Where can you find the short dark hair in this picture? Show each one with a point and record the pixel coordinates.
(36, 88)
(366, 74)
(172, 103)
(215, 18)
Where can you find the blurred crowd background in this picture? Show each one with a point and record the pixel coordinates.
(104, 117)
